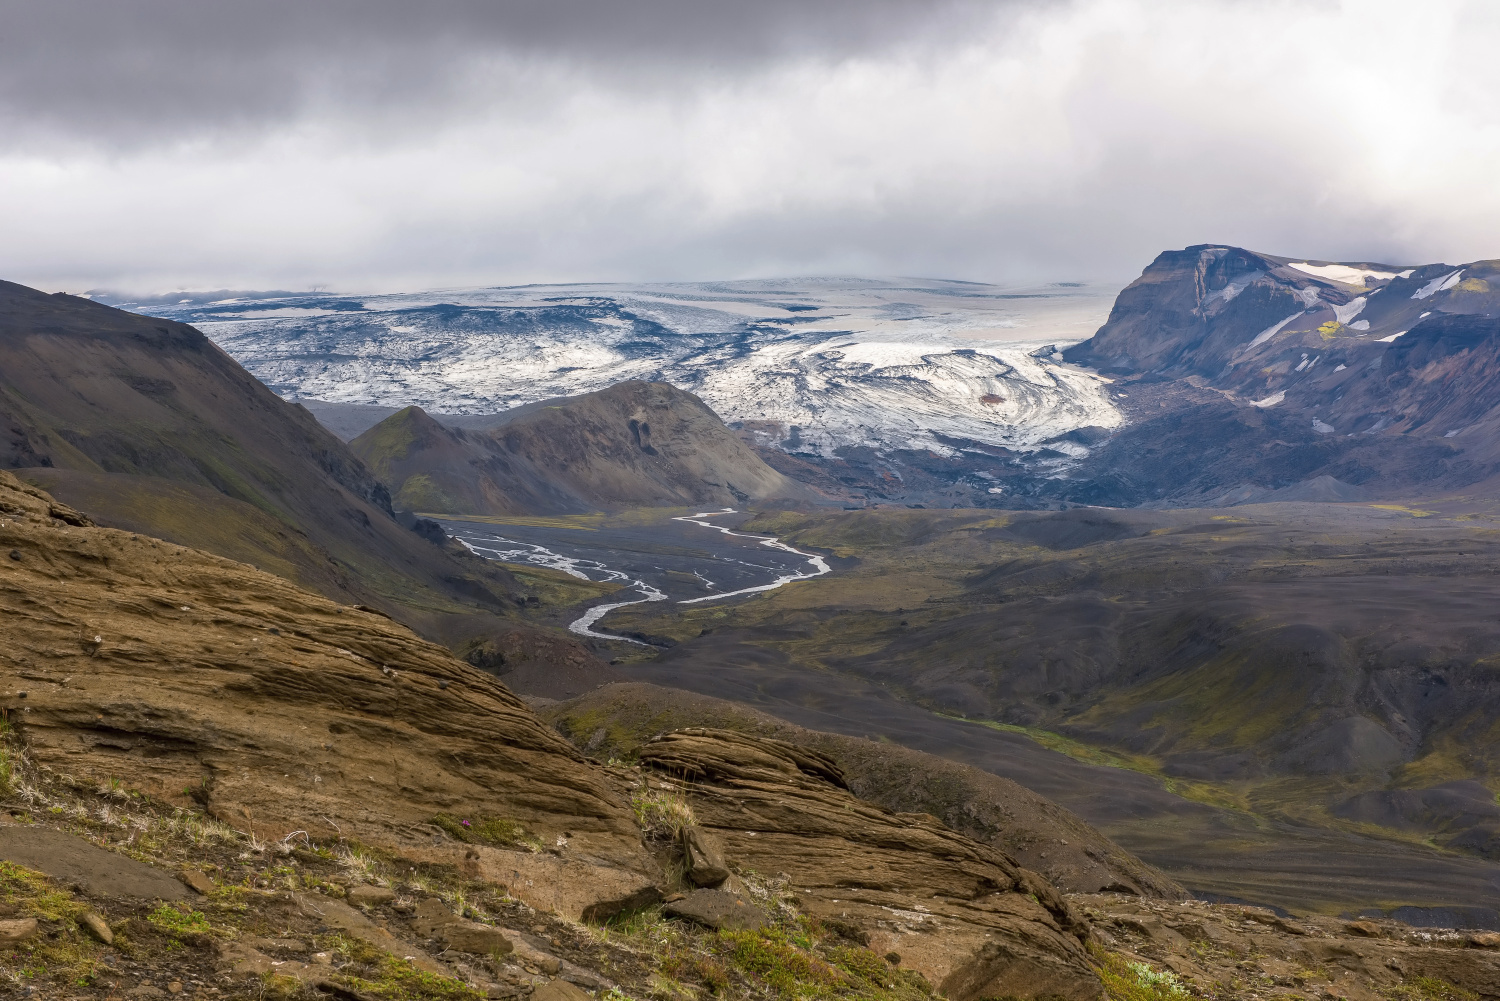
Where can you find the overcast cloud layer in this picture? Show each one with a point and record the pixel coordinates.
(387, 145)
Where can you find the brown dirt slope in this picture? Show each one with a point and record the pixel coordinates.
(619, 720)
(633, 444)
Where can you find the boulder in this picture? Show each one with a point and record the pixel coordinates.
(198, 881)
(17, 930)
(73, 861)
(703, 861)
(432, 917)
(97, 927)
(718, 910)
(560, 990)
(470, 936)
(367, 896)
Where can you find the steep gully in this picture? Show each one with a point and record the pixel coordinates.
(670, 569)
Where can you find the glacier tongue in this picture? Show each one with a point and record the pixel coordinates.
(809, 364)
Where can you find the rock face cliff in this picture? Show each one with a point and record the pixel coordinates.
(205, 687)
(634, 444)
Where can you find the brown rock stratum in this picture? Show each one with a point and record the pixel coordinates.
(204, 682)
(964, 914)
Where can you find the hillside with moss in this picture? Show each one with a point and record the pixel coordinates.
(147, 425)
(634, 444)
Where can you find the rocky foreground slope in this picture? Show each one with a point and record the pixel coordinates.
(618, 720)
(193, 712)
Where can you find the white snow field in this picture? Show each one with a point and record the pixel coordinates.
(890, 364)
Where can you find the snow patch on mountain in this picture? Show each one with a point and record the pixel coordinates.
(1348, 275)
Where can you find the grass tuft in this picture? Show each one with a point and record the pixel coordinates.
(66, 954)
(1431, 989)
(1128, 981)
(178, 923)
(376, 974)
(662, 813)
(496, 831)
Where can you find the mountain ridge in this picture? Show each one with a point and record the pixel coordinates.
(645, 444)
(148, 424)
(1244, 373)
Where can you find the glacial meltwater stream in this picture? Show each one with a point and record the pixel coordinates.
(667, 561)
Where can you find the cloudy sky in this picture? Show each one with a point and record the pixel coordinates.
(363, 145)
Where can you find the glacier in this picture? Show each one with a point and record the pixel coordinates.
(810, 365)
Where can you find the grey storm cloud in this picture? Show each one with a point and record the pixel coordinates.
(133, 71)
(384, 145)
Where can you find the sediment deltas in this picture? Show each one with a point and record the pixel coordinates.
(203, 682)
(962, 913)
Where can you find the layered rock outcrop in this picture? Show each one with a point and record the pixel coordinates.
(204, 682)
(963, 914)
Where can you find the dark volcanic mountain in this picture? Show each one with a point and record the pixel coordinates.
(634, 444)
(1244, 373)
(1234, 316)
(147, 425)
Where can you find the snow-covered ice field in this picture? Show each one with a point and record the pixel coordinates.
(886, 363)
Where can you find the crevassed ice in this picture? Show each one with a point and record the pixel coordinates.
(883, 364)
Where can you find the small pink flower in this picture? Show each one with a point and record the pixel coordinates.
(466, 823)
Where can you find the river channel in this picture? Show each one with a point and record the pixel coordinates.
(691, 559)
